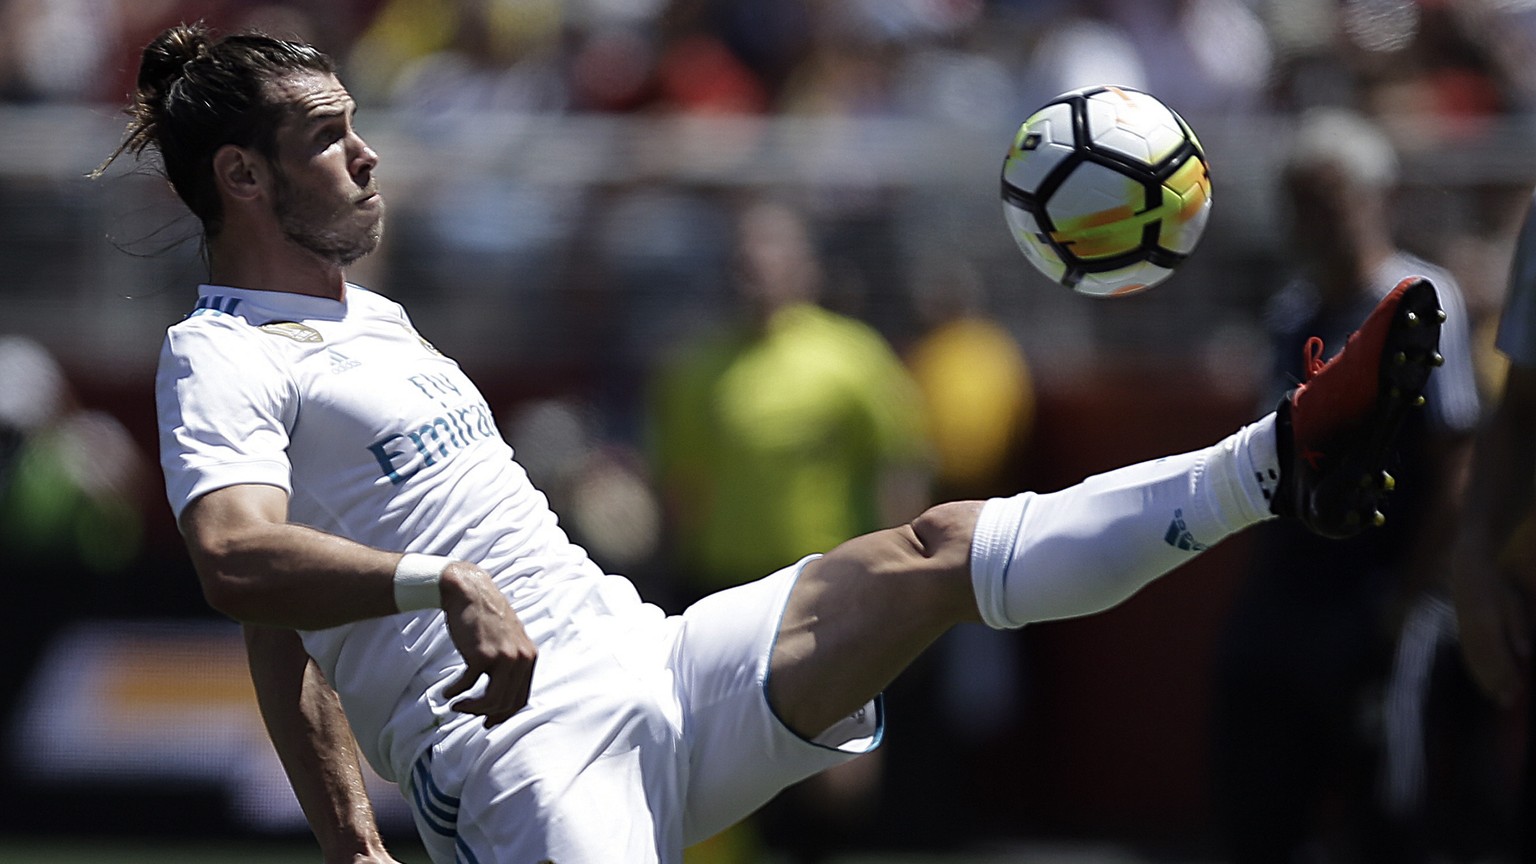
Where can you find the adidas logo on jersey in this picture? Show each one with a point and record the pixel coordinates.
(341, 362)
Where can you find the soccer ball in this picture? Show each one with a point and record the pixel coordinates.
(1106, 190)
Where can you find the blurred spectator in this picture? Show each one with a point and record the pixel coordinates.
(698, 74)
(614, 514)
(779, 437)
(961, 703)
(1321, 733)
(402, 32)
(72, 488)
(498, 57)
(812, 412)
(1434, 66)
(1084, 46)
(960, 77)
(770, 36)
(847, 69)
(56, 50)
(975, 382)
(1212, 57)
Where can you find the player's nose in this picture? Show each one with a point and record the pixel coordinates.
(365, 159)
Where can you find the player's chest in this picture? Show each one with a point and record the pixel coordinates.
(375, 379)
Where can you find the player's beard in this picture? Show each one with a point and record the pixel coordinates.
(334, 233)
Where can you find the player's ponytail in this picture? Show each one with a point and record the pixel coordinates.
(165, 63)
(196, 93)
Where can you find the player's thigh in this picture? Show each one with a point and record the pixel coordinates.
(490, 797)
(740, 754)
(863, 612)
(592, 770)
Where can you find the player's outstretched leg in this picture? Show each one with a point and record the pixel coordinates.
(857, 616)
(1336, 432)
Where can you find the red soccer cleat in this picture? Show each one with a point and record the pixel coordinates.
(1336, 431)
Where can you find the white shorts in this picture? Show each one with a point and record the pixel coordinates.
(644, 734)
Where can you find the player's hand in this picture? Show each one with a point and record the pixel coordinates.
(492, 642)
(1495, 629)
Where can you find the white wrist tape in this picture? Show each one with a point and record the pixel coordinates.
(416, 581)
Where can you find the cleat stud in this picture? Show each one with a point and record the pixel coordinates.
(1395, 393)
(1436, 359)
(1412, 318)
(1388, 482)
(1440, 315)
(1378, 519)
(1418, 402)
(1400, 358)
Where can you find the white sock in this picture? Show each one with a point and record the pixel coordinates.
(1088, 547)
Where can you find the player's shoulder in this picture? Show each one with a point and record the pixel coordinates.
(372, 302)
(240, 323)
(216, 318)
(845, 330)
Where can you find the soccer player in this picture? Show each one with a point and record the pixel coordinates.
(343, 491)
(1494, 585)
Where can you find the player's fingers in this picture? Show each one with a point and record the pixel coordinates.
(461, 684)
(507, 690)
(492, 712)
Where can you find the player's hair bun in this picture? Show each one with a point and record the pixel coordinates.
(165, 62)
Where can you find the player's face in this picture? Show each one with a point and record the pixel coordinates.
(325, 197)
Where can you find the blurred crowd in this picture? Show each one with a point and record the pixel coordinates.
(965, 60)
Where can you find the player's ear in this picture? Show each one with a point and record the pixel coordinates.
(239, 173)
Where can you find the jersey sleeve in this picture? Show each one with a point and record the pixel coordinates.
(225, 409)
(1517, 326)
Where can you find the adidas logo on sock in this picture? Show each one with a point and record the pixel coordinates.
(1267, 481)
(1178, 535)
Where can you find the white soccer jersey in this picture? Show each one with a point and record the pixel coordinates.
(643, 732)
(370, 430)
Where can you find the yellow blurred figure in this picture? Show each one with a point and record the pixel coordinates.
(980, 398)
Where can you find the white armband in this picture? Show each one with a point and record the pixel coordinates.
(416, 581)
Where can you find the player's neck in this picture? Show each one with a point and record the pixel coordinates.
(241, 261)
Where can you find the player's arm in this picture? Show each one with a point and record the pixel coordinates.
(1494, 618)
(309, 731)
(258, 568)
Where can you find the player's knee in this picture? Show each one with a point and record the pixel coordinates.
(944, 532)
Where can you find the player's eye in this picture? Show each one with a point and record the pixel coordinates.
(330, 132)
